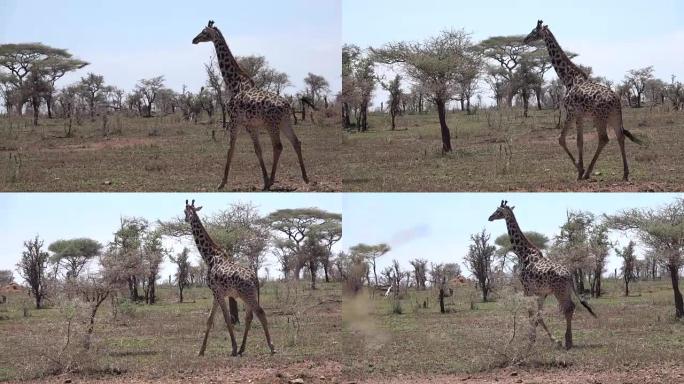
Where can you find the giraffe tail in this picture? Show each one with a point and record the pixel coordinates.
(583, 302)
(631, 136)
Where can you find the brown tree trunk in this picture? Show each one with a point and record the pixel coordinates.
(679, 302)
(446, 135)
(441, 301)
(345, 112)
(35, 103)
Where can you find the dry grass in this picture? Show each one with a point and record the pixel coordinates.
(162, 341)
(410, 158)
(157, 154)
(631, 332)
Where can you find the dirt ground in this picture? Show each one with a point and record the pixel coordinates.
(497, 151)
(661, 374)
(159, 154)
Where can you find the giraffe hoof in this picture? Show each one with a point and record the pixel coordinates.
(220, 187)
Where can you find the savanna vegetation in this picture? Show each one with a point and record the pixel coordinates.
(463, 115)
(85, 310)
(469, 320)
(94, 136)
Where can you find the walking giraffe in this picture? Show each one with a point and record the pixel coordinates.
(584, 98)
(540, 277)
(226, 278)
(251, 107)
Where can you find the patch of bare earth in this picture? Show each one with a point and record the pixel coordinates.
(665, 374)
(308, 372)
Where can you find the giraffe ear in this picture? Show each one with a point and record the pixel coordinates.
(513, 207)
(198, 208)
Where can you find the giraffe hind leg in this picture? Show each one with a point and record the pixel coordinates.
(601, 125)
(264, 323)
(248, 324)
(286, 127)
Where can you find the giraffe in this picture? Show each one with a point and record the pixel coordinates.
(540, 277)
(226, 278)
(251, 107)
(584, 98)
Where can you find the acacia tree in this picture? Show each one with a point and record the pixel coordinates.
(480, 259)
(571, 245)
(628, 264)
(436, 63)
(296, 225)
(32, 268)
(371, 253)
(153, 254)
(637, 80)
(329, 233)
(317, 86)
(215, 82)
(662, 231)
(148, 89)
(182, 270)
(599, 246)
(94, 91)
(503, 241)
(19, 59)
(419, 272)
(74, 254)
(395, 93)
(264, 76)
(125, 254)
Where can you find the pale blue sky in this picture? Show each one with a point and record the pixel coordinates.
(437, 226)
(129, 40)
(611, 36)
(56, 216)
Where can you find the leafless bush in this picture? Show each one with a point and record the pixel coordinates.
(513, 349)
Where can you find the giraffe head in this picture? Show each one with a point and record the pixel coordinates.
(208, 33)
(536, 34)
(502, 211)
(190, 211)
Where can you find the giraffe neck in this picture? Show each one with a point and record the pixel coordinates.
(566, 70)
(522, 247)
(204, 243)
(234, 77)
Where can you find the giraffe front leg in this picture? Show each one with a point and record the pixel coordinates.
(229, 323)
(257, 149)
(580, 148)
(210, 323)
(561, 140)
(229, 157)
(540, 319)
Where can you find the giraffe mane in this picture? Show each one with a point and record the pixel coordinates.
(237, 65)
(572, 65)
